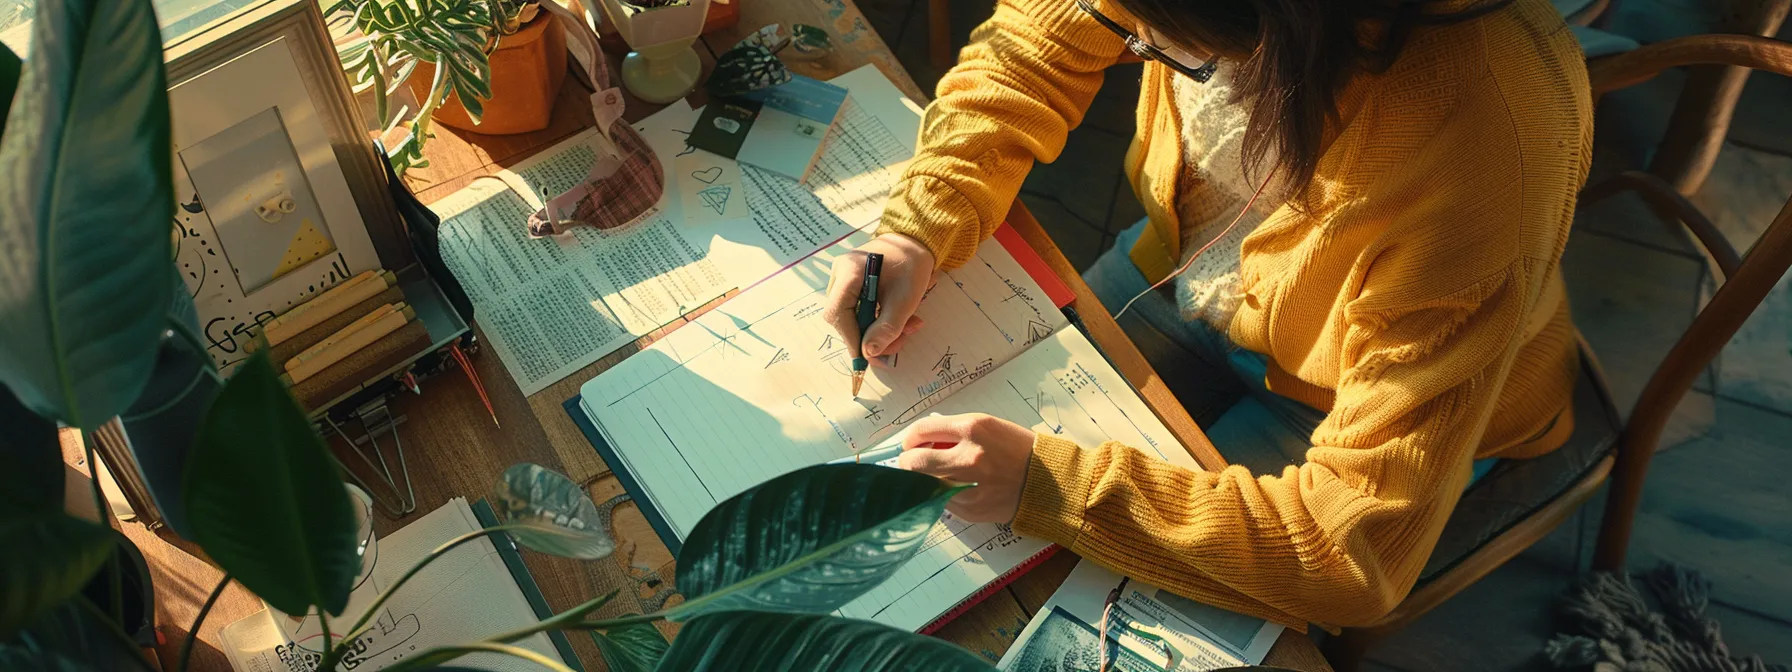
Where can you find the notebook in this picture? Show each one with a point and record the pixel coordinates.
(779, 129)
(758, 387)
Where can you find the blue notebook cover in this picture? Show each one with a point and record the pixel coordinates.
(629, 485)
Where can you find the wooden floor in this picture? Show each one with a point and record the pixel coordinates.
(1717, 497)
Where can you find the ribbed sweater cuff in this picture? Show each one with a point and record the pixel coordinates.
(929, 210)
(1059, 477)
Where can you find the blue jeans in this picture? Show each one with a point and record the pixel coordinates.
(1221, 384)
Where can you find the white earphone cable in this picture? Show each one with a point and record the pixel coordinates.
(1203, 250)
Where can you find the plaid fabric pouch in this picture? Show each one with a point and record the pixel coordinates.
(625, 184)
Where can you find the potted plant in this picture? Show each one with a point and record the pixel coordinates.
(488, 66)
(84, 307)
(662, 66)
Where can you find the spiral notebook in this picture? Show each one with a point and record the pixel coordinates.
(759, 387)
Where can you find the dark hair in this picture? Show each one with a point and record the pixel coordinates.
(1294, 58)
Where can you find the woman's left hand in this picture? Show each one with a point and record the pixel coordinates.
(973, 448)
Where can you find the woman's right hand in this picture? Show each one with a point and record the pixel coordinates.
(906, 275)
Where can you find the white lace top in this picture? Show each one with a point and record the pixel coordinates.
(1213, 138)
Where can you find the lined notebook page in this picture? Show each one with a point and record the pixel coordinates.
(760, 385)
(1059, 386)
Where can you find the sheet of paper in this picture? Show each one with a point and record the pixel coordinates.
(759, 386)
(1200, 637)
(1060, 386)
(466, 595)
(541, 304)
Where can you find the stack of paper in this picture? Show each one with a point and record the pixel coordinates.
(466, 595)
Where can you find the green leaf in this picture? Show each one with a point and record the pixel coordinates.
(32, 480)
(16, 658)
(48, 558)
(561, 519)
(635, 647)
(84, 212)
(751, 640)
(264, 498)
(9, 81)
(808, 541)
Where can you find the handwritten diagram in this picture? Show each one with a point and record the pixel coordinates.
(724, 426)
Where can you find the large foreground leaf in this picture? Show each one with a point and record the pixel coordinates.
(808, 541)
(32, 478)
(751, 640)
(48, 557)
(560, 517)
(85, 208)
(264, 499)
(9, 80)
(17, 658)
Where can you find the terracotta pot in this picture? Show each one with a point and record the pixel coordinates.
(527, 70)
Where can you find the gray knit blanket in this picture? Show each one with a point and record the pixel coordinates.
(1610, 626)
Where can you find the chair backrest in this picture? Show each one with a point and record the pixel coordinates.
(1701, 117)
(1746, 279)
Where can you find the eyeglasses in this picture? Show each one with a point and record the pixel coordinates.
(1152, 52)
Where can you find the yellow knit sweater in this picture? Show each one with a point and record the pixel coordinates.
(1414, 295)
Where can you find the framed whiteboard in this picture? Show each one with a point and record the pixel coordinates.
(280, 193)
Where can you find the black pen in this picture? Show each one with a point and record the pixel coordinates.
(867, 313)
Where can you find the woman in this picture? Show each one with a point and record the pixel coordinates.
(1384, 188)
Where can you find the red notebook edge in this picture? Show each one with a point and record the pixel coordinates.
(1061, 296)
(1034, 265)
(992, 587)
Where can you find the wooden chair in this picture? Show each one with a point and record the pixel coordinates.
(1521, 501)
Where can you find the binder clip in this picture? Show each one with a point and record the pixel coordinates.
(376, 418)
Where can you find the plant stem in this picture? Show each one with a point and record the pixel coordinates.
(100, 509)
(323, 623)
(118, 634)
(566, 620)
(618, 622)
(360, 625)
(447, 653)
(186, 648)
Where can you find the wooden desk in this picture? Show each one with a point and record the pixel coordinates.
(454, 450)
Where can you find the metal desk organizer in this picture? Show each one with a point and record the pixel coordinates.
(439, 339)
